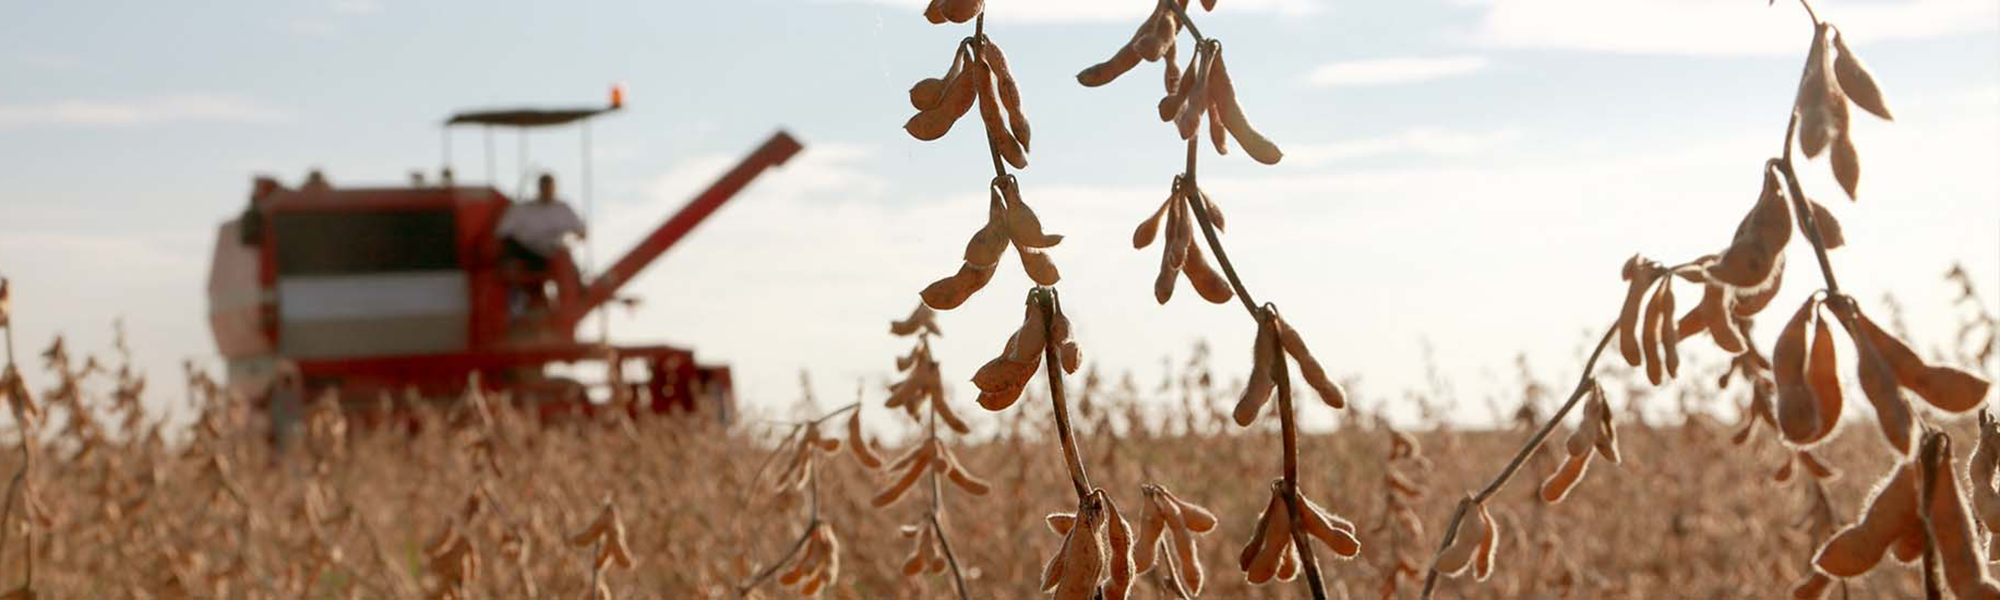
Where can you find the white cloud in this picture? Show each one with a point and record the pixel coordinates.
(214, 108)
(1081, 11)
(1421, 141)
(1391, 71)
(1717, 27)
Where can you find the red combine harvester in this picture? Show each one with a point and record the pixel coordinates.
(383, 291)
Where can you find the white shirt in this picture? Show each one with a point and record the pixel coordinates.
(540, 225)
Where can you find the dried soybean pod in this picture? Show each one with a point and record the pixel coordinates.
(1760, 238)
(1817, 96)
(1206, 281)
(996, 129)
(1060, 522)
(895, 490)
(1256, 544)
(1173, 255)
(1309, 367)
(1023, 227)
(1878, 381)
(1052, 573)
(1669, 337)
(1638, 274)
(1482, 564)
(1890, 514)
(1010, 91)
(1471, 535)
(856, 446)
(1257, 390)
(935, 12)
(1224, 93)
(1217, 133)
(959, 96)
(1823, 378)
(1565, 478)
(1855, 81)
(1119, 535)
(960, 11)
(949, 417)
(966, 481)
(1085, 557)
(1958, 543)
(1813, 588)
(1104, 72)
(1947, 388)
(1170, 105)
(1721, 325)
(1198, 519)
(948, 293)
(1798, 412)
(1649, 333)
(1149, 228)
(1846, 162)
(1322, 525)
(1214, 212)
(1041, 269)
(1151, 524)
(1032, 337)
(929, 92)
(1188, 119)
(1277, 538)
(1189, 564)
(1172, 74)
(1750, 301)
(1829, 227)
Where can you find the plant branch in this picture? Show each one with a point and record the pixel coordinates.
(1803, 210)
(812, 523)
(937, 508)
(1191, 193)
(1189, 23)
(1520, 458)
(1293, 502)
(1051, 308)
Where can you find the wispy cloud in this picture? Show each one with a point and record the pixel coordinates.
(215, 108)
(1423, 141)
(1716, 27)
(1079, 11)
(1394, 70)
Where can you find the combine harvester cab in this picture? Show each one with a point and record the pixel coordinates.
(394, 292)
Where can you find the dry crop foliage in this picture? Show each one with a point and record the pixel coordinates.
(814, 559)
(1097, 554)
(921, 390)
(1918, 507)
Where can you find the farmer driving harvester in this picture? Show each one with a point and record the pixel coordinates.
(532, 237)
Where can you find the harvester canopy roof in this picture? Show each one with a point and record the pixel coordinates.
(527, 117)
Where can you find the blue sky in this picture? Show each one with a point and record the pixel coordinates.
(1467, 172)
